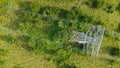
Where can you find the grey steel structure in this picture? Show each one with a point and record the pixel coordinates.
(91, 40)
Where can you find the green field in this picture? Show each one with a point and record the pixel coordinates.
(35, 33)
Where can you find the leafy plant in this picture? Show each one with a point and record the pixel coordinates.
(2, 52)
(8, 38)
(118, 7)
(2, 62)
(96, 3)
(17, 66)
(118, 29)
(115, 51)
(64, 65)
(30, 6)
(110, 8)
(107, 33)
(114, 62)
(61, 56)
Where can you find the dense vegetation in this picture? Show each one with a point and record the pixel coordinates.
(31, 29)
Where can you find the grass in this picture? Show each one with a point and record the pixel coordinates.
(34, 40)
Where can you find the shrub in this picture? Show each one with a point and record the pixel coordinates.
(54, 12)
(36, 42)
(2, 52)
(64, 65)
(118, 29)
(114, 62)
(27, 12)
(110, 8)
(61, 56)
(115, 51)
(24, 38)
(96, 3)
(98, 23)
(53, 30)
(84, 18)
(3, 3)
(2, 62)
(107, 33)
(52, 47)
(30, 6)
(17, 66)
(8, 38)
(118, 7)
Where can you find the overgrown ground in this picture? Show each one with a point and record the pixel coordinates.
(35, 33)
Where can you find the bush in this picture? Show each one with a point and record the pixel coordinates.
(64, 65)
(2, 52)
(84, 18)
(114, 62)
(115, 51)
(30, 6)
(36, 43)
(96, 3)
(27, 12)
(98, 23)
(8, 38)
(110, 8)
(54, 12)
(118, 7)
(61, 56)
(2, 62)
(107, 33)
(3, 3)
(118, 29)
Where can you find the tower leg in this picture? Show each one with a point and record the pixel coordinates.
(84, 47)
(93, 50)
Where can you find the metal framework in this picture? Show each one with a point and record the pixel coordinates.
(91, 40)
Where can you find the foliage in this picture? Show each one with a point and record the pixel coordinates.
(114, 62)
(17, 66)
(64, 65)
(118, 29)
(61, 56)
(107, 33)
(3, 3)
(115, 51)
(118, 7)
(1, 62)
(110, 8)
(8, 38)
(2, 52)
(30, 6)
(96, 3)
